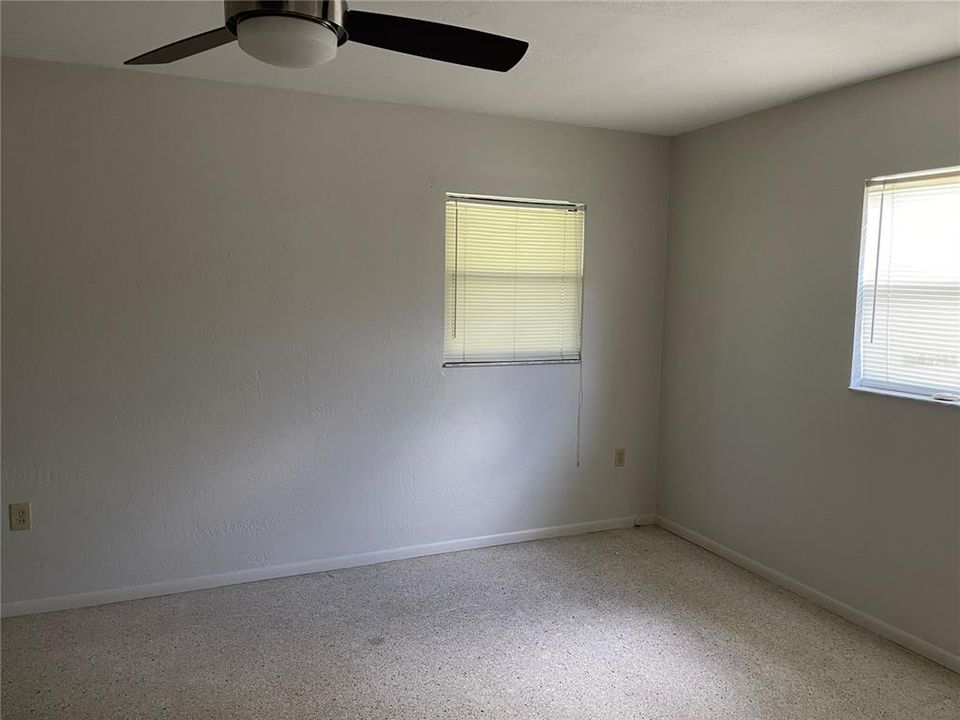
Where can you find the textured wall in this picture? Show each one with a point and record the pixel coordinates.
(222, 329)
(764, 449)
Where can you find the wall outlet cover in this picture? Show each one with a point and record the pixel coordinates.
(19, 516)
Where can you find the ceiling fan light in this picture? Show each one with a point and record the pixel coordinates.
(286, 41)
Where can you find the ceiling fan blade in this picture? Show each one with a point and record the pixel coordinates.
(436, 41)
(184, 48)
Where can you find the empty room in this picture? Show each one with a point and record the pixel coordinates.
(418, 360)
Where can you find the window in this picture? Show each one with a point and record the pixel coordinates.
(514, 276)
(907, 339)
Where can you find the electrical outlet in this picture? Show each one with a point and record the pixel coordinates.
(619, 457)
(19, 516)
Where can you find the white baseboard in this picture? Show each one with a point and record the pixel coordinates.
(901, 637)
(169, 587)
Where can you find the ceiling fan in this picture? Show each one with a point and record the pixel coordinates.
(304, 33)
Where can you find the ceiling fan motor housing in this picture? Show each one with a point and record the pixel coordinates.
(329, 13)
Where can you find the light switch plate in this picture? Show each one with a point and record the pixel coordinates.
(19, 516)
(620, 457)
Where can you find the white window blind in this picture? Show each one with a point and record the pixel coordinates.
(908, 301)
(514, 274)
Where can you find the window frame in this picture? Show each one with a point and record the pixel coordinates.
(581, 207)
(858, 383)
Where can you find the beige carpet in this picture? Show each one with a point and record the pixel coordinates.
(622, 624)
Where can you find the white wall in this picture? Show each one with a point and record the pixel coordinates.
(764, 449)
(222, 329)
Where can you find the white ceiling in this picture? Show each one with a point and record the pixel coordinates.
(659, 67)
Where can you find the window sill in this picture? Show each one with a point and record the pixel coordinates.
(906, 396)
(509, 363)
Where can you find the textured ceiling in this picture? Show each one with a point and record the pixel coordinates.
(660, 67)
